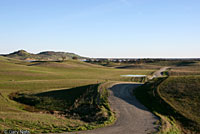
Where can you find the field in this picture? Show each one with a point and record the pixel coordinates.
(57, 96)
(192, 69)
(31, 78)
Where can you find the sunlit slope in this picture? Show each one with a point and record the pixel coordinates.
(183, 94)
(19, 71)
(36, 77)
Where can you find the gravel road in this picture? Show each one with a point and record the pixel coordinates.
(159, 72)
(132, 116)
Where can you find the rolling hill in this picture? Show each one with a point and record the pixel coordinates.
(42, 56)
(74, 83)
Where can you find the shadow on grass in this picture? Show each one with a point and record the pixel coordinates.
(84, 103)
(35, 63)
(185, 63)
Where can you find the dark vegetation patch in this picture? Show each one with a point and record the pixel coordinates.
(174, 62)
(138, 66)
(149, 95)
(35, 63)
(87, 103)
(129, 63)
(185, 63)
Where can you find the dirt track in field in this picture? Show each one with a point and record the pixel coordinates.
(132, 116)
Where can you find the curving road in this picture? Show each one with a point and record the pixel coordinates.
(132, 116)
(159, 72)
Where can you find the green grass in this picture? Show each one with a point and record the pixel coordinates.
(37, 77)
(175, 100)
(70, 82)
(87, 103)
(57, 100)
(66, 70)
(147, 95)
(183, 94)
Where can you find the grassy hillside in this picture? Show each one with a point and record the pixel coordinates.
(175, 100)
(183, 94)
(38, 79)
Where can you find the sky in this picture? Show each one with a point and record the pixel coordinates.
(102, 28)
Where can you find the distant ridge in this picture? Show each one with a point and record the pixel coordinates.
(42, 56)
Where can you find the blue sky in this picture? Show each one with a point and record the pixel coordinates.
(102, 28)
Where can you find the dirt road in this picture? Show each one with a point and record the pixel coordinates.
(132, 117)
(159, 72)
